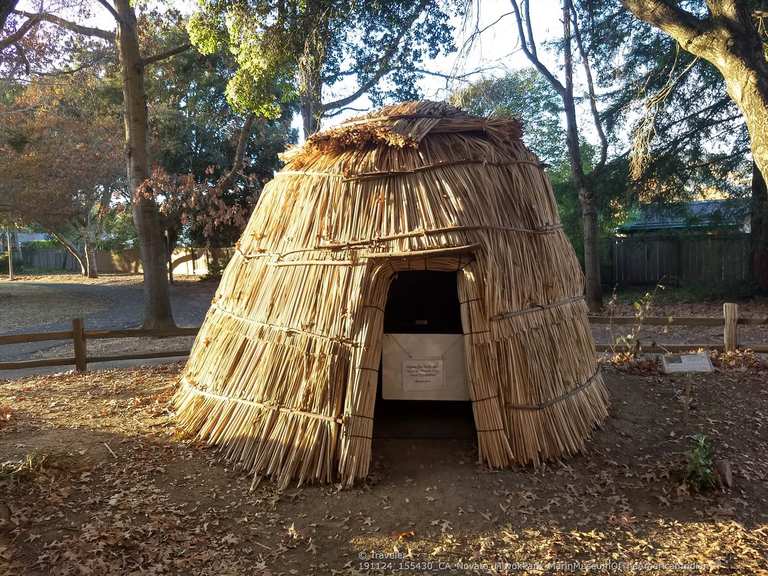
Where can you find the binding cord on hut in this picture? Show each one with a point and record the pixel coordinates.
(284, 372)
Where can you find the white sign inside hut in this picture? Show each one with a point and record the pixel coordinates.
(423, 367)
(423, 374)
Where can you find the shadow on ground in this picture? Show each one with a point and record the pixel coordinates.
(119, 492)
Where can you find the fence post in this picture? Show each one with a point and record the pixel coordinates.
(78, 337)
(730, 333)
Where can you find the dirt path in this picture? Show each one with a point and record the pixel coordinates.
(42, 304)
(109, 487)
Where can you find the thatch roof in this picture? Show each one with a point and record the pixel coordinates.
(401, 125)
(284, 371)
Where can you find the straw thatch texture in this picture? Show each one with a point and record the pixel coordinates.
(284, 372)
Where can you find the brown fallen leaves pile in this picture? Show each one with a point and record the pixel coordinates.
(96, 480)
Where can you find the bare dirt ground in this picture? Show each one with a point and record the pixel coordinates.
(48, 303)
(678, 303)
(98, 481)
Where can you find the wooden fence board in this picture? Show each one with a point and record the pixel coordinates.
(21, 364)
(35, 337)
(684, 259)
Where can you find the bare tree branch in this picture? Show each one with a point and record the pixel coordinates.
(20, 33)
(66, 72)
(384, 65)
(529, 26)
(67, 24)
(166, 54)
(530, 50)
(228, 179)
(590, 88)
(111, 10)
(346, 109)
(461, 76)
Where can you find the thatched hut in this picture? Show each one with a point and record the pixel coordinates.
(284, 371)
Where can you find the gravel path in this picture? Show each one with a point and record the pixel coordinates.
(49, 303)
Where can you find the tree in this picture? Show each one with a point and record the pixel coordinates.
(685, 109)
(299, 51)
(526, 95)
(582, 181)
(211, 163)
(729, 34)
(157, 308)
(60, 162)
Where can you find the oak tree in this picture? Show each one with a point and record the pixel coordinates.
(133, 64)
(730, 35)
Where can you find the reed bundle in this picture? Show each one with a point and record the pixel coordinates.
(284, 371)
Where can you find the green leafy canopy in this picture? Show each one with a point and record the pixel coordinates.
(284, 49)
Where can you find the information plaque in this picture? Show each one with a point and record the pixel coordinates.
(423, 374)
(677, 363)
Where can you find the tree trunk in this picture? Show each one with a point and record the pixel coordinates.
(10, 254)
(170, 246)
(593, 288)
(91, 268)
(146, 217)
(72, 250)
(311, 67)
(309, 116)
(759, 228)
(746, 80)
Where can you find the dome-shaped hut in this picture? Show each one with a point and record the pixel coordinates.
(284, 371)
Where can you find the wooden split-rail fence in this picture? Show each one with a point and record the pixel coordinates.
(80, 337)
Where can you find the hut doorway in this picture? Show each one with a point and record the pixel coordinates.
(422, 390)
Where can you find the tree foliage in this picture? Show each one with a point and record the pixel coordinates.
(289, 51)
(60, 160)
(682, 133)
(526, 95)
(206, 191)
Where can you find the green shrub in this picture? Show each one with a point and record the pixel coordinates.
(700, 473)
(17, 264)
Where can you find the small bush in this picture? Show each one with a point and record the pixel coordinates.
(17, 264)
(700, 474)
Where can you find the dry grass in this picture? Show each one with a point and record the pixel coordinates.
(285, 368)
(115, 491)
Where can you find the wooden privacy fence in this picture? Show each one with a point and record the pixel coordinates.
(720, 260)
(185, 261)
(80, 336)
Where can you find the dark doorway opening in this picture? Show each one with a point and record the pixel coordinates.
(422, 302)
